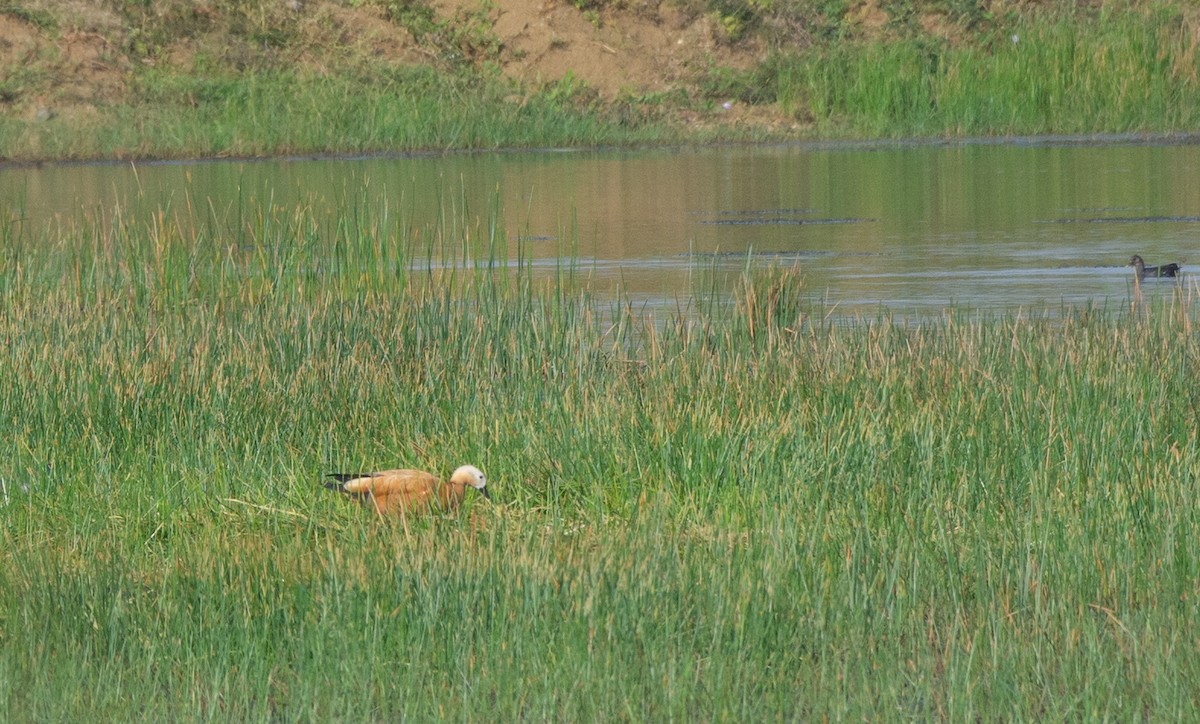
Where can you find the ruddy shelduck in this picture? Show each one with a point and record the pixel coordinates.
(399, 492)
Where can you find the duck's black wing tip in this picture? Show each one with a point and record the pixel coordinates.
(343, 477)
(338, 483)
(337, 480)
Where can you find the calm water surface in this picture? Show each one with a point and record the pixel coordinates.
(910, 228)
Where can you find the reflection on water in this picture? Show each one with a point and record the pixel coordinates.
(909, 228)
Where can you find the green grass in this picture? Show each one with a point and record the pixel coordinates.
(37, 17)
(744, 513)
(283, 112)
(1121, 71)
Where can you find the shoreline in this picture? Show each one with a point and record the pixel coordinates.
(1166, 138)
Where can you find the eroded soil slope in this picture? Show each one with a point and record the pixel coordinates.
(69, 58)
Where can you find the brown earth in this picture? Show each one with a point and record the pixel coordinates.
(87, 56)
(643, 50)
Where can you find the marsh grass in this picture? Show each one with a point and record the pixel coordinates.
(745, 513)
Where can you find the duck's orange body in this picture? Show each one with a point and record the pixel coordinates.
(394, 492)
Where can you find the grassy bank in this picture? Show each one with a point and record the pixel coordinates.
(280, 112)
(1115, 72)
(742, 513)
(179, 81)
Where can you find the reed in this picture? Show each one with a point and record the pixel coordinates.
(747, 512)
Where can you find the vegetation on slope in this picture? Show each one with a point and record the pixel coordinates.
(167, 78)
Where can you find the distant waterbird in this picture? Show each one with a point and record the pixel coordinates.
(1142, 271)
(409, 492)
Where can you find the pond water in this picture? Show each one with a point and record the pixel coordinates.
(1034, 225)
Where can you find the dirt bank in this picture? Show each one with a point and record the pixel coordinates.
(71, 58)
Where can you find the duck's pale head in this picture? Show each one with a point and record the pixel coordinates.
(472, 476)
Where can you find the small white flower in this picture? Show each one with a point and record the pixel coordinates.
(727, 105)
(1016, 38)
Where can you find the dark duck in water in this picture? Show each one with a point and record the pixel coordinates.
(1152, 272)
